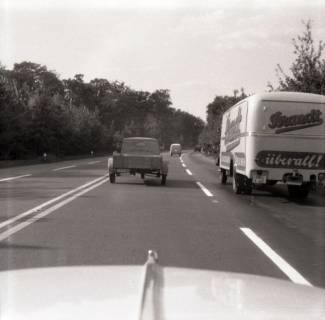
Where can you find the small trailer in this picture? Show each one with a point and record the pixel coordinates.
(274, 137)
(138, 155)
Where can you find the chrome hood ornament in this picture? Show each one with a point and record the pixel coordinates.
(150, 297)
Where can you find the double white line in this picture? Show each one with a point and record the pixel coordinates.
(42, 210)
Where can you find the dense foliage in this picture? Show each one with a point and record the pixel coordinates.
(41, 113)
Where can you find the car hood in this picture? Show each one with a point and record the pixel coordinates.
(152, 292)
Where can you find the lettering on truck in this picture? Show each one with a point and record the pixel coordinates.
(283, 123)
(292, 160)
(232, 132)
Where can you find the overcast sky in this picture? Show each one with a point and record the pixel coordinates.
(196, 49)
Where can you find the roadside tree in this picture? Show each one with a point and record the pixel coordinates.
(308, 67)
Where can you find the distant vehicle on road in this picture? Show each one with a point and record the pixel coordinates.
(138, 155)
(197, 148)
(175, 148)
(274, 137)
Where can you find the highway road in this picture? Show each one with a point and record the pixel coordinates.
(64, 214)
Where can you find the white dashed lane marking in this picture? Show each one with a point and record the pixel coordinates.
(284, 266)
(14, 178)
(93, 162)
(62, 168)
(204, 189)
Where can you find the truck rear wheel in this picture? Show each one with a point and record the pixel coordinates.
(241, 184)
(236, 183)
(223, 176)
(299, 191)
(248, 186)
(112, 177)
(163, 179)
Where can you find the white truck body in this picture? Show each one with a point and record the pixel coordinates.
(275, 137)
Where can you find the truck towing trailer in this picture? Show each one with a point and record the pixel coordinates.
(274, 137)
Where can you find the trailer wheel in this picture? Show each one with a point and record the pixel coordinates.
(112, 177)
(299, 191)
(163, 179)
(223, 176)
(142, 175)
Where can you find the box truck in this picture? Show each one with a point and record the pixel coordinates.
(274, 137)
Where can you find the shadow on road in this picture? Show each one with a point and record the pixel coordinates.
(182, 184)
(156, 182)
(314, 199)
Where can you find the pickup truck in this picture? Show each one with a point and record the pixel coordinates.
(138, 155)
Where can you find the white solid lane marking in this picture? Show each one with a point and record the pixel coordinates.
(93, 162)
(204, 189)
(14, 178)
(184, 165)
(189, 172)
(62, 168)
(41, 206)
(33, 219)
(215, 201)
(284, 266)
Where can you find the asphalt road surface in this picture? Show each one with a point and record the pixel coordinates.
(68, 213)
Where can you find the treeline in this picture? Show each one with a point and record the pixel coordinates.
(42, 114)
(307, 75)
